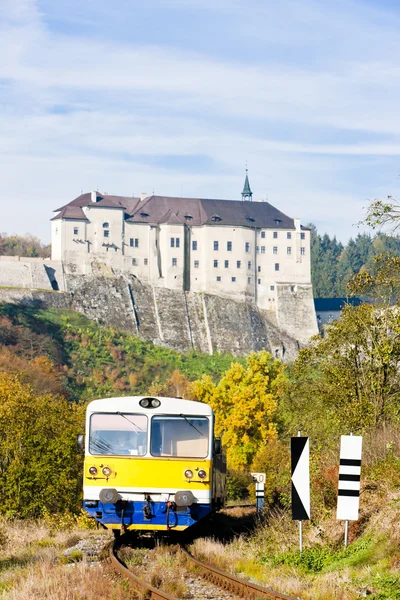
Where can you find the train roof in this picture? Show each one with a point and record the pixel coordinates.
(129, 404)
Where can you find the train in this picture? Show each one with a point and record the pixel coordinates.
(151, 464)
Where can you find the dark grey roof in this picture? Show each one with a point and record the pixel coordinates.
(334, 304)
(71, 212)
(205, 211)
(128, 203)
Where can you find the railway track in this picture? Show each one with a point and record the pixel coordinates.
(238, 587)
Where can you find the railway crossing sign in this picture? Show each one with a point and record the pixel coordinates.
(349, 477)
(259, 480)
(300, 455)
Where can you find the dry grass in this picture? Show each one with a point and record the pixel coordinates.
(31, 567)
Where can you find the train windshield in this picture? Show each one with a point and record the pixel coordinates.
(118, 434)
(180, 436)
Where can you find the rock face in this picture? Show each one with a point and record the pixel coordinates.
(176, 319)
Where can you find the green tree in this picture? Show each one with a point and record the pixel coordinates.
(40, 468)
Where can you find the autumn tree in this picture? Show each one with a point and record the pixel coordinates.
(244, 403)
(39, 466)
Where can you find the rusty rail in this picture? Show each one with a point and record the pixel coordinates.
(235, 585)
(144, 590)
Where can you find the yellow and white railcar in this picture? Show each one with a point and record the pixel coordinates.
(151, 463)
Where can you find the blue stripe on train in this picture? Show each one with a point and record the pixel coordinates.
(111, 514)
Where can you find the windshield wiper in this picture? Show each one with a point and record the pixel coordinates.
(125, 417)
(191, 424)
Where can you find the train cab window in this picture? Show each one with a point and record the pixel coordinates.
(184, 437)
(116, 435)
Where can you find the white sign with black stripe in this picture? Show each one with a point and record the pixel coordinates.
(349, 477)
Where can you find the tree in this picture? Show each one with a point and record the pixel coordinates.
(244, 402)
(40, 468)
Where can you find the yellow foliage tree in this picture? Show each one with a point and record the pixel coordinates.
(244, 403)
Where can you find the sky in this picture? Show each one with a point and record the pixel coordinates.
(175, 97)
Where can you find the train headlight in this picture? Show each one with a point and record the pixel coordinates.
(188, 474)
(150, 402)
(202, 474)
(106, 471)
(93, 471)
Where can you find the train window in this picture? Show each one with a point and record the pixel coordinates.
(180, 436)
(118, 434)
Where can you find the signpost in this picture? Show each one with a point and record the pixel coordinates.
(349, 480)
(300, 455)
(259, 480)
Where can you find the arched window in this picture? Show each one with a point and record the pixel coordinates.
(106, 225)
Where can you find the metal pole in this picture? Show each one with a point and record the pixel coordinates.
(300, 522)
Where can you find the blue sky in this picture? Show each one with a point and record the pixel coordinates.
(176, 95)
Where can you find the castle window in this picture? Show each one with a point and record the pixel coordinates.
(292, 288)
(247, 247)
(238, 264)
(272, 288)
(263, 234)
(249, 280)
(216, 218)
(302, 236)
(106, 233)
(289, 250)
(262, 249)
(289, 235)
(275, 250)
(259, 281)
(249, 264)
(278, 221)
(134, 261)
(233, 279)
(275, 235)
(196, 264)
(188, 217)
(215, 264)
(218, 278)
(302, 251)
(76, 230)
(134, 242)
(172, 243)
(229, 246)
(146, 261)
(257, 249)
(259, 269)
(144, 215)
(276, 266)
(106, 225)
(174, 262)
(177, 242)
(216, 245)
(194, 245)
(227, 264)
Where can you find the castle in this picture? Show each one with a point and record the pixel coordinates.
(243, 250)
(187, 273)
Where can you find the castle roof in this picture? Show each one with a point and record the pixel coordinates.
(193, 211)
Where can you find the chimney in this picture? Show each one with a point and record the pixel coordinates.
(94, 196)
(143, 195)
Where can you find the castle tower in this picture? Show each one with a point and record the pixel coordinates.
(247, 194)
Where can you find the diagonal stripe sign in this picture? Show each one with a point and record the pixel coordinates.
(349, 477)
(300, 453)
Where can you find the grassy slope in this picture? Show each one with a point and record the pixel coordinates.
(100, 361)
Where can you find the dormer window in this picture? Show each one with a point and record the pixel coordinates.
(188, 217)
(106, 225)
(278, 221)
(144, 215)
(216, 218)
(250, 219)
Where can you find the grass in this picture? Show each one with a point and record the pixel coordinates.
(32, 566)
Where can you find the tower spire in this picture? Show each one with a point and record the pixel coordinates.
(247, 194)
